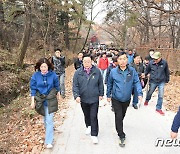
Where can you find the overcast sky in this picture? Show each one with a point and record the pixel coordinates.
(99, 8)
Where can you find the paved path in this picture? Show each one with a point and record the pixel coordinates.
(142, 127)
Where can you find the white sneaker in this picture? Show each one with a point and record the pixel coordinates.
(94, 139)
(88, 130)
(49, 146)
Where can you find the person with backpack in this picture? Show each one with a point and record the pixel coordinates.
(59, 67)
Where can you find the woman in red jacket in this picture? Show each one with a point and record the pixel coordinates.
(103, 65)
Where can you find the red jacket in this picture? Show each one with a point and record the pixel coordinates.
(103, 63)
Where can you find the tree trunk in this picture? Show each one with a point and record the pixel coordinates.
(77, 35)
(26, 35)
(177, 38)
(66, 31)
(2, 42)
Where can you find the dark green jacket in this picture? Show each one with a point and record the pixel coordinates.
(51, 101)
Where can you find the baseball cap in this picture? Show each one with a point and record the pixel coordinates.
(156, 55)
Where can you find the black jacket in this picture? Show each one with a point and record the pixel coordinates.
(77, 63)
(158, 72)
(88, 88)
(51, 101)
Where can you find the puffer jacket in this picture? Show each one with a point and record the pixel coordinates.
(51, 99)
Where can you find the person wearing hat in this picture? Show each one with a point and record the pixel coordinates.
(159, 75)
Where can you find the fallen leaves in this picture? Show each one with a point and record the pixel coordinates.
(172, 94)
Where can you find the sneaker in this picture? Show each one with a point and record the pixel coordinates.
(49, 146)
(94, 139)
(146, 103)
(122, 142)
(160, 112)
(135, 106)
(88, 130)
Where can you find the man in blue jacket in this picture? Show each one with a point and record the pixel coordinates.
(121, 81)
(88, 89)
(175, 125)
(159, 75)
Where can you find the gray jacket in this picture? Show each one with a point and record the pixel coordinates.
(59, 65)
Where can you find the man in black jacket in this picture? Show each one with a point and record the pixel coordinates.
(159, 75)
(88, 89)
(78, 61)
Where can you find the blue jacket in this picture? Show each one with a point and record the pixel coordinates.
(176, 122)
(44, 83)
(88, 88)
(121, 83)
(158, 72)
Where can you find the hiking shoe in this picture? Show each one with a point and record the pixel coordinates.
(146, 103)
(49, 146)
(160, 112)
(135, 106)
(88, 130)
(94, 139)
(122, 142)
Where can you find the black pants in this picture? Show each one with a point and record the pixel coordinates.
(91, 116)
(120, 112)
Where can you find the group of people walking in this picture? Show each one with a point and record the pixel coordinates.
(125, 75)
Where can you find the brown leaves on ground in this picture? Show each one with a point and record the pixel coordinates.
(172, 93)
(22, 129)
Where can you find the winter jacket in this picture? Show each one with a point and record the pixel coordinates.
(51, 99)
(59, 65)
(88, 87)
(111, 66)
(158, 72)
(41, 85)
(78, 63)
(121, 83)
(103, 63)
(44, 83)
(176, 122)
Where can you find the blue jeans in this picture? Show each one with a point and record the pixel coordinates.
(49, 126)
(62, 83)
(152, 87)
(103, 73)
